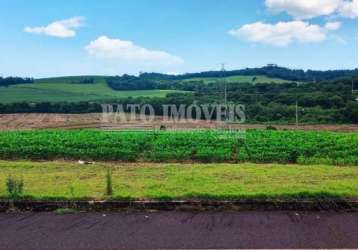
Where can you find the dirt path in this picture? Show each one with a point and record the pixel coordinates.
(179, 230)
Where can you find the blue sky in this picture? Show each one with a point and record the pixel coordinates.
(54, 38)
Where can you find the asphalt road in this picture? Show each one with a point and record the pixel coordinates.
(179, 230)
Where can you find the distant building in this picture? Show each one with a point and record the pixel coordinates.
(272, 65)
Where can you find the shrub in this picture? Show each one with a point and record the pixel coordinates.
(270, 127)
(61, 211)
(14, 187)
(72, 190)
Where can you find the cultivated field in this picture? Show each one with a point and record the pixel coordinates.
(69, 89)
(257, 146)
(140, 162)
(94, 120)
(66, 180)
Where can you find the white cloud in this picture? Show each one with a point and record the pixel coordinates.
(349, 9)
(121, 50)
(333, 25)
(63, 28)
(280, 34)
(304, 9)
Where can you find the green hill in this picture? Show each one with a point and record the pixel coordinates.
(70, 89)
(239, 79)
(95, 88)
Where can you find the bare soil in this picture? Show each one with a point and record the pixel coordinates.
(94, 120)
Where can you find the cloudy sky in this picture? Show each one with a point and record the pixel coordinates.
(50, 38)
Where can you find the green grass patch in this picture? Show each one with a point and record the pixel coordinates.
(64, 180)
(68, 89)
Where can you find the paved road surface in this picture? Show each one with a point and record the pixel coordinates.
(179, 230)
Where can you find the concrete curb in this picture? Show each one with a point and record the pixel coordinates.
(199, 205)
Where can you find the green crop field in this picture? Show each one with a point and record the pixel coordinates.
(184, 146)
(66, 180)
(240, 79)
(68, 89)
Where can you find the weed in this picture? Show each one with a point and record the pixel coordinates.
(14, 187)
(66, 211)
(109, 185)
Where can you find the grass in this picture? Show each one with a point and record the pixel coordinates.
(240, 79)
(61, 211)
(68, 180)
(69, 89)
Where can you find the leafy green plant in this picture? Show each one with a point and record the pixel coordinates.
(72, 190)
(66, 211)
(259, 146)
(270, 127)
(14, 187)
(109, 184)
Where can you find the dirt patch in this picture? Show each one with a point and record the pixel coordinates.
(94, 120)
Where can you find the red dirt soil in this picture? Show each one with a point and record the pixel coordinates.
(94, 120)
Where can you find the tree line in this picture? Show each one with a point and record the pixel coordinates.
(269, 71)
(4, 82)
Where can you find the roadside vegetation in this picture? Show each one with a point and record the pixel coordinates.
(71, 181)
(257, 146)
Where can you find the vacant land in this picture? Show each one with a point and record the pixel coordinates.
(259, 146)
(55, 180)
(27, 121)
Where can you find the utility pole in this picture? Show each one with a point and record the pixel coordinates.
(296, 113)
(297, 106)
(352, 86)
(225, 90)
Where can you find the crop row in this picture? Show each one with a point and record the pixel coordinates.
(257, 146)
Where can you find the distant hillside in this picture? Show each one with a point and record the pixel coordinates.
(70, 89)
(255, 79)
(269, 71)
(73, 79)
